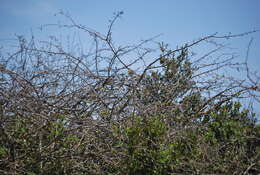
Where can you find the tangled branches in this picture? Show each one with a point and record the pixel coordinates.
(113, 109)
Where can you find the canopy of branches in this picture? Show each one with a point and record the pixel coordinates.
(125, 109)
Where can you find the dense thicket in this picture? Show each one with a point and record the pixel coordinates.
(72, 111)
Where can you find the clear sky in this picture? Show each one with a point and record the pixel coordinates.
(179, 21)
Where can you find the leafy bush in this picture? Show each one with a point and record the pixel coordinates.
(65, 112)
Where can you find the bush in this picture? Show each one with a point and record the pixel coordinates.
(64, 112)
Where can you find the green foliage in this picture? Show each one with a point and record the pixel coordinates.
(151, 148)
(228, 134)
(145, 144)
(229, 124)
(38, 152)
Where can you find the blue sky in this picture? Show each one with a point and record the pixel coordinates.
(179, 21)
